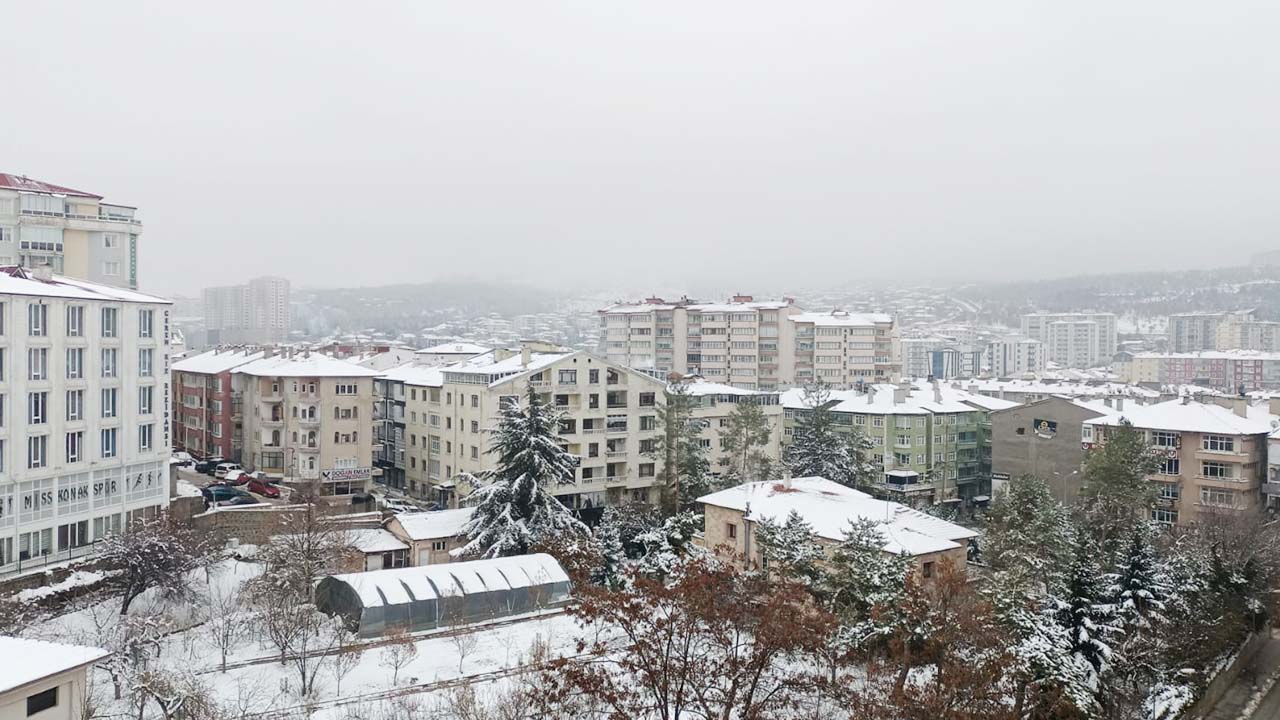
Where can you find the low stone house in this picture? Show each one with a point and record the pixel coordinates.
(431, 536)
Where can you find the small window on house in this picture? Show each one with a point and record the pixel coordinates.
(927, 570)
(438, 545)
(42, 701)
(731, 530)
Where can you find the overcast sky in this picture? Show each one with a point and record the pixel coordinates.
(627, 145)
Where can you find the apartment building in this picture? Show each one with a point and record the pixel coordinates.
(1074, 339)
(1042, 438)
(930, 440)
(1235, 333)
(399, 391)
(1014, 356)
(72, 231)
(1029, 391)
(255, 313)
(917, 354)
(756, 345)
(714, 403)
(206, 419)
(610, 419)
(307, 418)
(1192, 332)
(1227, 370)
(1214, 458)
(84, 426)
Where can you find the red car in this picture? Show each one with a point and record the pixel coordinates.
(262, 488)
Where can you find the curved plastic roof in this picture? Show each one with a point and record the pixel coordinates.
(400, 586)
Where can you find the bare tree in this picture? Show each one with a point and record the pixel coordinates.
(179, 696)
(348, 656)
(399, 651)
(227, 621)
(156, 553)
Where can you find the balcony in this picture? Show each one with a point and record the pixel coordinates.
(615, 481)
(272, 421)
(616, 454)
(1271, 488)
(616, 430)
(309, 421)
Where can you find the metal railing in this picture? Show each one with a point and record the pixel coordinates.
(59, 556)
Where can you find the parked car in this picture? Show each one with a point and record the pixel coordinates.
(182, 459)
(240, 477)
(220, 493)
(223, 468)
(263, 488)
(208, 465)
(245, 499)
(397, 506)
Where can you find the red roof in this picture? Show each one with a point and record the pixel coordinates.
(22, 182)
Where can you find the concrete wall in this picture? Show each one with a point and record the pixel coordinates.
(1018, 448)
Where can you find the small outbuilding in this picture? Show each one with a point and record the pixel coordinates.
(433, 596)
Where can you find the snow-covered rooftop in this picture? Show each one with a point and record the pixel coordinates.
(217, 361)
(458, 348)
(888, 399)
(305, 365)
(1065, 388)
(1211, 355)
(418, 375)
(375, 540)
(1179, 416)
(16, 280)
(434, 525)
(426, 582)
(700, 387)
(829, 507)
(24, 661)
(840, 318)
(499, 371)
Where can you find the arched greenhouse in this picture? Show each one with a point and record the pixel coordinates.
(432, 596)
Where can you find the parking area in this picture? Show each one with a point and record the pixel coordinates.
(200, 480)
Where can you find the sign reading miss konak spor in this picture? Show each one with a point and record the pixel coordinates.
(363, 473)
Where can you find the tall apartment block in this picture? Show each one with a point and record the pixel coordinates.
(1014, 356)
(749, 344)
(1191, 332)
(84, 432)
(1074, 339)
(256, 312)
(72, 231)
(206, 420)
(1237, 333)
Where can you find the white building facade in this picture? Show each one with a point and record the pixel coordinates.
(84, 425)
(1074, 339)
(1015, 356)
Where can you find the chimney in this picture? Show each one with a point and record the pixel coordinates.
(899, 395)
(1119, 403)
(43, 271)
(525, 356)
(1273, 405)
(937, 392)
(1240, 406)
(1186, 399)
(1107, 401)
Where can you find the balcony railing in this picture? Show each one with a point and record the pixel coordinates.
(616, 453)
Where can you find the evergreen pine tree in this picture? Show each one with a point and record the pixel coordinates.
(789, 549)
(816, 449)
(516, 509)
(1117, 495)
(862, 472)
(682, 461)
(1028, 535)
(1082, 609)
(1138, 588)
(863, 584)
(744, 442)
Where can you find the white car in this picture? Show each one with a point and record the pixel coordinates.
(397, 506)
(221, 471)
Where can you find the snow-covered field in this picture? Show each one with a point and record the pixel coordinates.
(255, 684)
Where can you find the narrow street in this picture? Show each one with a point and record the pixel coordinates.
(1234, 703)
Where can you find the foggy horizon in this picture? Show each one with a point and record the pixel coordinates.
(826, 145)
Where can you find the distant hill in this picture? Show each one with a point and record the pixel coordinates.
(410, 307)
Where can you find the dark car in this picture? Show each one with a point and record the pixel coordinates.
(208, 465)
(261, 487)
(245, 499)
(219, 493)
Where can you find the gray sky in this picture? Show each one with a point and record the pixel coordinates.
(656, 143)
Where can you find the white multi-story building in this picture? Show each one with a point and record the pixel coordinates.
(72, 231)
(917, 354)
(750, 344)
(1015, 356)
(256, 312)
(1195, 331)
(84, 427)
(1074, 339)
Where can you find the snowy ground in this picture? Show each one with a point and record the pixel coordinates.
(256, 684)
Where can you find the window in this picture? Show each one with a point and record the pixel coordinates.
(145, 356)
(1164, 439)
(1164, 516)
(108, 402)
(110, 241)
(475, 452)
(927, 570)
(1086, 433)
(475, 426)
(144, 400)
(75, 446)
(731, 530)
(648, 399)
(42, 701)
(111, 268)
(145, 436)
(109, 368)
(647, 470)
(345, 389)
(37, 320)
(1170, 491)
(38, 364)
(568, 377)
(439, 545)
(1170, 466)
(75, 363)
(108, 442)
(75, 321)
(37, 408)
(1219, 443)
(110, 327)
(37, 451)
(475, 401)
(1217, 497)
(75, 404)
(1216, 470)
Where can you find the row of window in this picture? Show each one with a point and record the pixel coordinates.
(75, 449)
(38, 366)
(74, 321)
(38, 404)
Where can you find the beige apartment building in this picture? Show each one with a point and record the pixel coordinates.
(714, 403)
(72, 231)
(1214, 457)
(307, 417)
(610, 418)
(1242, 333)
(755, 345)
